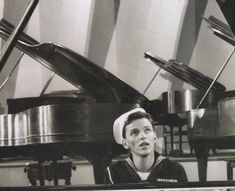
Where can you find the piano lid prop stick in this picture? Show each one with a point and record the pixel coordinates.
(13, 69)
(216, 77)
(10, 43)
(48, 83)
(155, 75)
(152, 80)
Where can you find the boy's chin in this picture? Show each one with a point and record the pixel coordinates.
(145, 153)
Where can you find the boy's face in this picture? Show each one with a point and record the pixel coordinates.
(140, 137)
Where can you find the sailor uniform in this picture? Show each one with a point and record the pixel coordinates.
(163, 170)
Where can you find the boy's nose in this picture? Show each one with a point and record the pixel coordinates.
(142, 135)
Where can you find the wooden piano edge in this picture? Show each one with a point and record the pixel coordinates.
(211, 185)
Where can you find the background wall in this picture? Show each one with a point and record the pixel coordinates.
(115, 35)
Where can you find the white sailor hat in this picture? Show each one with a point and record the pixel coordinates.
(120, 122)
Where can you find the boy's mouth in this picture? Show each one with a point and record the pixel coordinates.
(143, 144)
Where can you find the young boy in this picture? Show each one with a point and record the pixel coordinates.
(134, 130)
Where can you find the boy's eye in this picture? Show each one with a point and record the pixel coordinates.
(147, 130)
(134, 132)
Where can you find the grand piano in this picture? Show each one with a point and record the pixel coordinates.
(75, 123)
(211, 123)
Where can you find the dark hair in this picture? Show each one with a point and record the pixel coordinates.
(135, 116)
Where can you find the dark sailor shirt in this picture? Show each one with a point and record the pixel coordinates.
(163, 170)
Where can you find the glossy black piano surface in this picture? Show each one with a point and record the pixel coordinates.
(192, 186)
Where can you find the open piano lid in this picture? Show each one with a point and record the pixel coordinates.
(99, 83)
(228, 9)
(221, 29)
(185, 73)
(190, 75)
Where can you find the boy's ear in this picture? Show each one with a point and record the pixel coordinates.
(155, 137)
(124, 144)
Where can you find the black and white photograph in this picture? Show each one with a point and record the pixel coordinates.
(117, 95)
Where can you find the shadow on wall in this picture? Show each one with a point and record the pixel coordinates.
(13, 10)
(50, 17)
(102, 28)
(188, 36)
